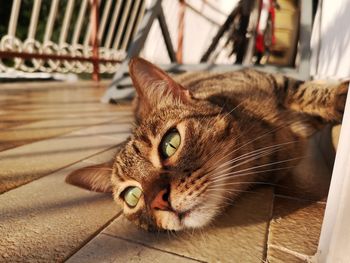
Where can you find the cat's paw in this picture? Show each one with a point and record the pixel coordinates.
(340, 100)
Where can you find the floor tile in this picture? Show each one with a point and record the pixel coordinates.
(47, 220)
(296, 225)
(279, 256)
(28, 162)
(238, 235)
(102, 157)
(105, 249)
(20, 135)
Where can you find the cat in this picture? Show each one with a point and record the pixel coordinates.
(203, 138)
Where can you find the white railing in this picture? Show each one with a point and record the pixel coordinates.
(85, 44)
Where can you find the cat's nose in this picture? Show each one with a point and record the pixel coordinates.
(161, 201)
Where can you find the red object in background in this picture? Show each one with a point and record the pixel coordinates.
(180, 35)
(260, 37)
(94, 39)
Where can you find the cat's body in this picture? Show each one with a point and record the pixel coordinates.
(197, 145)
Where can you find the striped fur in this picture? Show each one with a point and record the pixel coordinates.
(236, 128)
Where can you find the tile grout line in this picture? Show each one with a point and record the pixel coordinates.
(150, 247)
(268, 227)
(306, 258)
(59, 135)
(300, 199)
(61, 168)
(93, 235)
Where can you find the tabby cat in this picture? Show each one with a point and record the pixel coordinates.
(203, 138)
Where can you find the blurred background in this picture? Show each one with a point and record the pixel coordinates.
(85, 37)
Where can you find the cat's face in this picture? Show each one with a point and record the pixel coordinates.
(186, 158)
(167, 175)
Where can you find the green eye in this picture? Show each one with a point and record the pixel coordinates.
(132, 196)
(170, 144)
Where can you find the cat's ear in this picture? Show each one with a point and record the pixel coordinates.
(154, 86)
(95, 178)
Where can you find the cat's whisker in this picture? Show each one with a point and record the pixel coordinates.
(235, 193)
(222, 203)
(256, 153)
(276, 128)
(250, 173)
(238, 183)
(216, 185)
(100, 169)
(247, 154)
(228, 113)
(258, 166)
(222, 173)
(223, 154)
(193, 229)
(259, 137)
(231, 191)
(214, 154)
(221, 110)
(281, 145)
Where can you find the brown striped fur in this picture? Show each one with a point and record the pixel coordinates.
(236, 129)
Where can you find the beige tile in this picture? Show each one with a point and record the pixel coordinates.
(28, 162)
(47, 220)
(52, 85)
(11, 123)
(104, 248)
(23, 134)
(296, 225)
(108, 130)
(35, 112)
(239, 235)
(279, 256)
(102, 157)
(49, 113)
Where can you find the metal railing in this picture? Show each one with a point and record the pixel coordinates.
(85, 43)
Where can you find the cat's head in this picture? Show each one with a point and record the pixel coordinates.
(170, 172)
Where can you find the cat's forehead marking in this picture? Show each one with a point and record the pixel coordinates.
(153, 154)
(155, 139)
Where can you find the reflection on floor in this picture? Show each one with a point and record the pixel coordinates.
(49, 129)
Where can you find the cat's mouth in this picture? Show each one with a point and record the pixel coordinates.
(182, 215)
(171, 219)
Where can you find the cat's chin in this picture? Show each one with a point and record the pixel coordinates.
(195, 219)
(168, 220)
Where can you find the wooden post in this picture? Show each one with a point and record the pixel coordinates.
(94, 39)
(180, 34)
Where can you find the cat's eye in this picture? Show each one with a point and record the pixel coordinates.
(132, 196)
(170, 144)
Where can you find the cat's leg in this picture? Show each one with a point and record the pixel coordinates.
(326, 100)
(316, 98)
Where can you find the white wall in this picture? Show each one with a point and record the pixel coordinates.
(331, 59)
(330, 41)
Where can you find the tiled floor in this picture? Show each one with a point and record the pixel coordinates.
(49, 129)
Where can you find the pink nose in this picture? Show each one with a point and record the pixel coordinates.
(161, 201)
